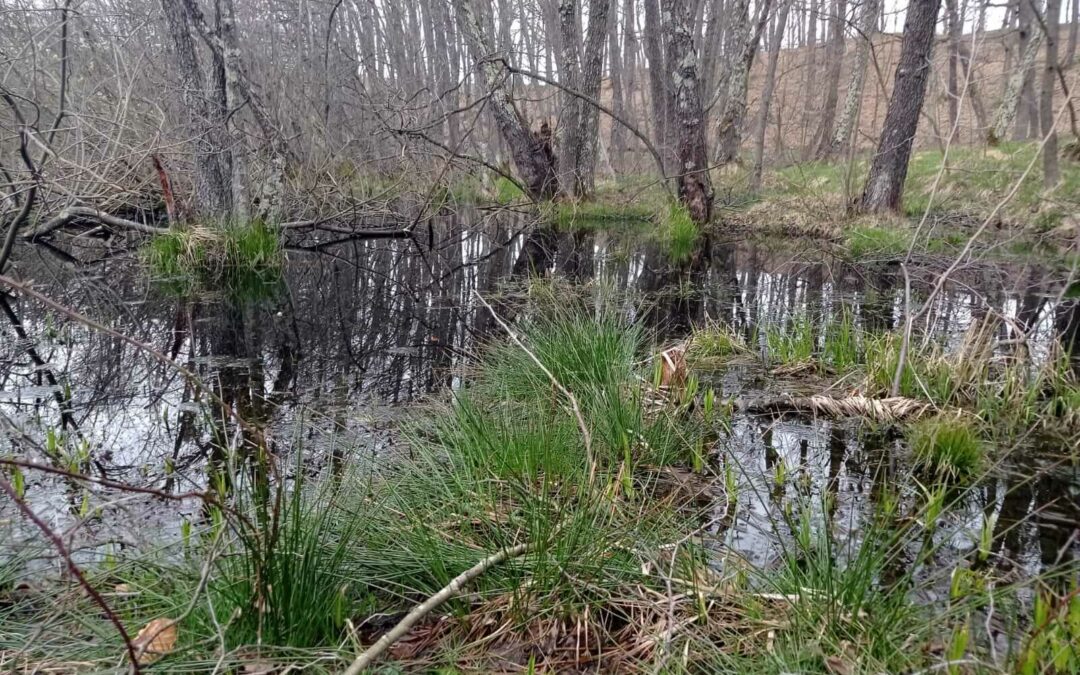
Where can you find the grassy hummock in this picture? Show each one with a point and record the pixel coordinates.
(240, 260)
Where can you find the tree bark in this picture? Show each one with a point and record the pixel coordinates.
(1074, 32)
(811, 78)
(694, 186)
(885, 184)
(849, 116)
(767, 93)
(572, 109)
(618, 92)
(1051, 174)
(532, 158)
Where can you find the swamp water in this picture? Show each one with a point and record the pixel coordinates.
(360, 330)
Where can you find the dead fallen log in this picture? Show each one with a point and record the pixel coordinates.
(892, 409)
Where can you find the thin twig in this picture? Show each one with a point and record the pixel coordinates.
(58, 543)
(585, 434)
(423, 609)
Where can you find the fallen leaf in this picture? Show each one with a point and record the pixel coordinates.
(673, 366)
(838, 666)
(156, 639)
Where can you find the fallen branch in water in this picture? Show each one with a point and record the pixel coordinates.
(892, 409)
(373, 652)
(74, 212)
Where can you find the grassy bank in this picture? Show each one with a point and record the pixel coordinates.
(618, 492)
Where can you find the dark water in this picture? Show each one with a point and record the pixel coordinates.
(362, 327)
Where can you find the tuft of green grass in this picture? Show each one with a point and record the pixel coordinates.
(679, 234)
(299, 592)
(242, 261)
(793, 342)
(948, 446)
(714, 342)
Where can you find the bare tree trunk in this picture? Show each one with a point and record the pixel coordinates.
(618, 94)
(212, 192)
(231, 69)
(885, 184)
(712, 47)
(729, 127)
(658, 85)
(572, 108)
(849, 116)
(695, 187)
(1027, 116)
(1074, 32)
(767, 94)
(1051, 173)
(531, 155)
(630, 56)
(811, 78)
(591, 75)
(955, 30)
(1010, 102)
(834, 55)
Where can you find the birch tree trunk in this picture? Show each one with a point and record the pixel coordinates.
(534, 164)
(767, 93)
(849, 115)
(885, 184)
(694, 186)
(1010, 102)
(1051, 173)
